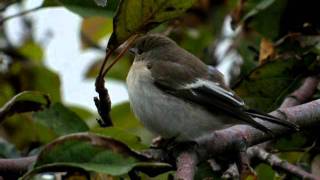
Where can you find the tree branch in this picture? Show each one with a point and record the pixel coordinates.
(278, 164)
(186, 165)
(225, 140)
(17, 166)
(302, 94)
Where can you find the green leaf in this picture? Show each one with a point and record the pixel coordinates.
(257, 12)
(21, 130)
(26, 101)
(93, 30)
(8, 150)
(266, 86)
(292, 141)
(39, 78)
(60, 119)
(264, 172)
(91, 153)
(133, 17)
(128, 138)
(124, 119)
(85, 8)
(32, 51)
(82, 112)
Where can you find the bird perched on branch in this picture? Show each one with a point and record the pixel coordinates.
(176, 95)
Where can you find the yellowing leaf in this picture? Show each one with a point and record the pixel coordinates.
(266, 50)
(93, 29)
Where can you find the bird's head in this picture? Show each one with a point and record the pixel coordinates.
(151, 42)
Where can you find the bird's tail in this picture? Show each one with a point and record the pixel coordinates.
(267, 117)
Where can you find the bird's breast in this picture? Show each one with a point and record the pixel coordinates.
(164, 114)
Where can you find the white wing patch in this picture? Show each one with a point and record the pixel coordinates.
(214, 87)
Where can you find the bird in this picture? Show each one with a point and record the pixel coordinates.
(175, 95)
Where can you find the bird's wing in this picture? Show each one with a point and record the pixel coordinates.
(211, 94)
(203, 92)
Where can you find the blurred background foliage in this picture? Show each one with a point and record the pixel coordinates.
(274, 45)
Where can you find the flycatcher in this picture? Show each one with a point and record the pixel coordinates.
(176, 95)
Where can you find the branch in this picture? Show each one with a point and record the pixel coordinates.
(299, 96)
(186, 165)
(302, 94)
(278, 164)
(226, 140)
(17, 166)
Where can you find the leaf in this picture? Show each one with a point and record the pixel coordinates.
(91, 153)
(26, 101)
(124, 119)
(93, 29)
(133, 17)
(85, 8)
(32, 51)
(128, 138)
(21, 130)
(266, 86)
(292, 141)
(264, 172)
(8, 150)
(248, 44)
(60, 119)
(256, 13)
(267, 51)
(82, 112)
(39, 78)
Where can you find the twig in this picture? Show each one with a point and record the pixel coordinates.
(19, 14)
(17, 166)
(302, 94)
(278, 164)
(103, 103)
(128, 45)
(186, 165)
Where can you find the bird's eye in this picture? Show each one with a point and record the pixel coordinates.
(139, 51)
(135, 51)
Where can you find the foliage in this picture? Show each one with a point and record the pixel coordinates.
(277, 51)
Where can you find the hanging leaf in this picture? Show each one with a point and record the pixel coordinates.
(26, 101)
(138, 16)
(93, 30)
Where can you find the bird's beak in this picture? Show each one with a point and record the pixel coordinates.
(133, 50)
